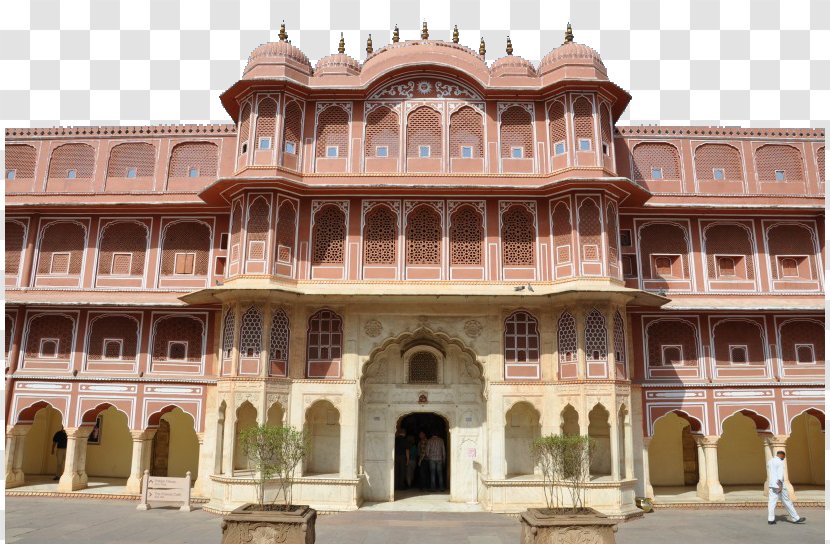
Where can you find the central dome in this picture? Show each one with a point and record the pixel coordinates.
(337, 64)
(278, 53)
(512, 66)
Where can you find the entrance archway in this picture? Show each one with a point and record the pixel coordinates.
(38, 459)
(415, 479)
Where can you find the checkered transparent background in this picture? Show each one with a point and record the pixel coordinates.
(701, 62)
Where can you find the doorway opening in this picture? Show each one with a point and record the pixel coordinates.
(419, 476)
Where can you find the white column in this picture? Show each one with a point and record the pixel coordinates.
(628, 439)
(265, 351)
(201, 474)
(229, 438)
(766, 441)
(237, 325)
(701, 467)
(15, 444)
(581, 356)
(142, 449)
(712, 490)
(74, 472)
(647, 487)
(615, 445)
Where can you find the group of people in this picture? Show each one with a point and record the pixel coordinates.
(420, 461)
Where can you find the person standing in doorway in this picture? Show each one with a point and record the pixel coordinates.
(423, 464)
(436, 455)
(411, 460)
(400, 459)
(777, 490)
(59, 451)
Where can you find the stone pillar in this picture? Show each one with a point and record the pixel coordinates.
(647, 487)
(74, 472)
(766, 441)
(615, 446)
(15, 443)
(200, 474)
(778, 443)
(229, 439)
(581, 356)
(628, 440)
(142, 450)
(611, 357)
(237, 325)
(712, 490)
(701, 467)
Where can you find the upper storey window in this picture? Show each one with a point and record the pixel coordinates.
(424, 151)
(466, 134)
(266, 123)
(779, 163)
(132, 160)
(655, 161)
(656, 173)
(559, 148)
(584, 123)
(292, 134)
(193, 160)
(584, 144)
(332, 151)
(71, 173)
(193, 172)
(382, 151)
(718, 162)
(264, 143)
(20, 162)
(382, 133)
(516, 131)
(72, 161)
(424, 130)
(291, 148)
(333, 131)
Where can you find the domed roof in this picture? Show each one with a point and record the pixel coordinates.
(571, 52)
(337, 64)
(281, 52)
(512, 66)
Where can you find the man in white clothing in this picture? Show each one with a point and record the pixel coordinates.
(775, 475)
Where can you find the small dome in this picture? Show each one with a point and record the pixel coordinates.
(571, 53)
(337, 64)
(512, 66)
(281, 52)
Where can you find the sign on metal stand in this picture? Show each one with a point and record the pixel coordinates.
(165, 491)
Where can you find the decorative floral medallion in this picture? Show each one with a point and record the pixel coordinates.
(373, 328)
(473, 328)
(424, 87)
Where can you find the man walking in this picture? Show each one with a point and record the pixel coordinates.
(436, 455)
(775, 475)
(59, 451)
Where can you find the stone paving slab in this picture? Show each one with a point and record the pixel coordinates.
(79, 521)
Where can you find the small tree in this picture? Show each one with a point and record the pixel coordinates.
(565, 463)
(274, 452)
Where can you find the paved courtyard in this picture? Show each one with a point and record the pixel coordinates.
(37, 520)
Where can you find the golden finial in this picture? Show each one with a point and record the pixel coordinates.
(424, 31)
(481, 50)
(455, 34)
(569, 34)
(283, 34)
(396, 35)
(341, 47)
(369, 48)
(509, 46)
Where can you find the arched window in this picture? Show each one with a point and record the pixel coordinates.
(605, 129)
(292, 134)
(671, 342)
(729, 251)
(380, 235)
(516, 133)
(655, 161)
(333, 133)
(50, 336)
(133, 160)
(584, 124)
(194, 160)
(286, 230)
(558, 131)
(266, 124)
(325, 341)
(423, 236)
(382, 134)
(329, 236)
(619, 344)
(15, 239)
(279, 342)
(236, 230)
(259, 222)
(596, 337)
(466, 236)
(612, 231)
(185, 248)
(244, 128)
(518, 237)
(663, 250)
(250, 333)
(792, 251)
(423, 368)
(820, 162)
(590, 229)
(72, 161)
(567, 338)
(112, 338)
(20, 160)
(802, 342)
(521, 346)
(122, 249)
(423, 134)
(562, 236)
(227, 334)
(466, 134)
(61, 248)
(718, 162)
(738, 341)
(178, 338)
(779, 163)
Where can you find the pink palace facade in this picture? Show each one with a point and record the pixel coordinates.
(420, 233)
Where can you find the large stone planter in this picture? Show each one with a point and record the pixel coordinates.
(542, 526)
(247, 526)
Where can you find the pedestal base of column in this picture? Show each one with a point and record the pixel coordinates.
(72, 482)
(649, 491)
(133, 485)
(711, 492)
(15, 479)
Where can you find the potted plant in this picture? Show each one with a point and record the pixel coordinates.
(565, 464)
(274, 454)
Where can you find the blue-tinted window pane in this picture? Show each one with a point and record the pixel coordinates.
(779, 175)
(72, 174)
(656, 173)
(516, 152)
(423, 151)
(466, 152)
(559, 148)
(132, 172)
(382, 151)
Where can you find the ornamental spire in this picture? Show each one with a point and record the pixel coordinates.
(369, 48)
(455, 34)
(283, 34)
(396, 35)
(481, 50)
(569, 34)
(509, 46)
(341, 47)
(424, 31)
